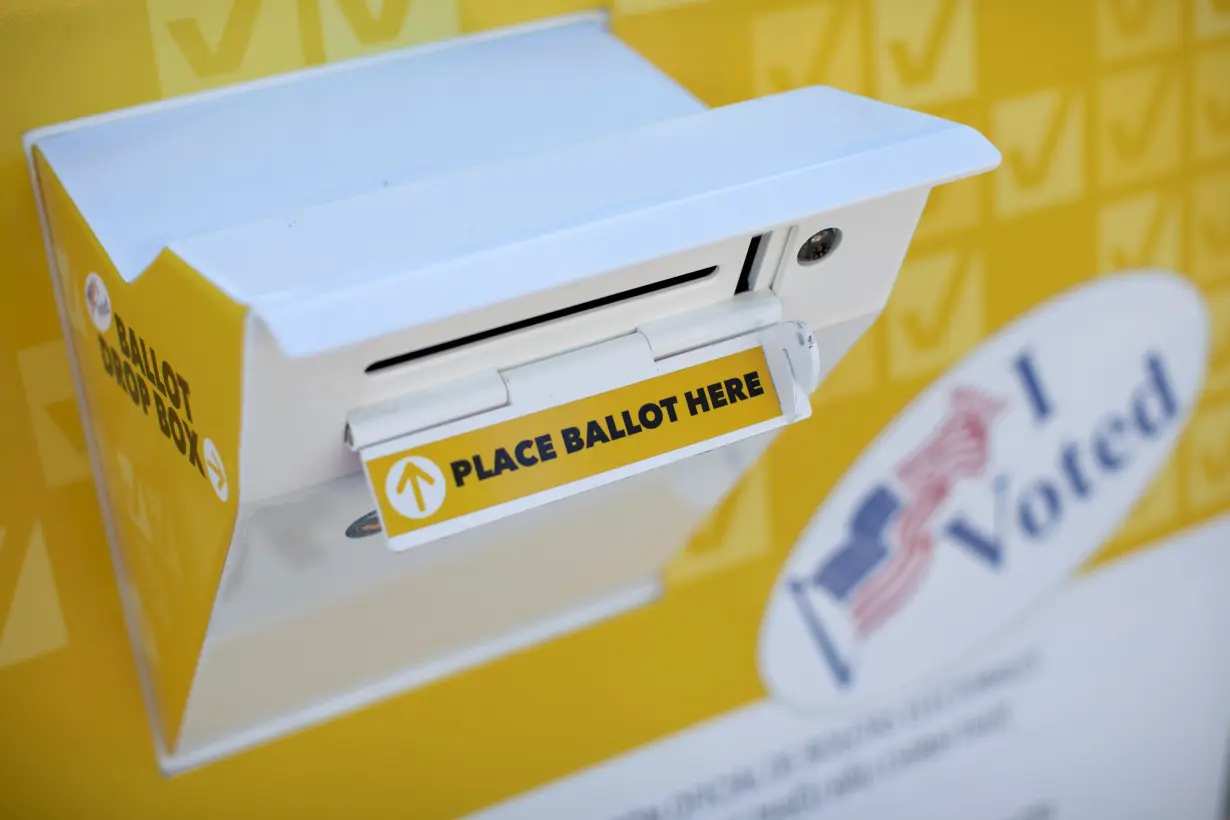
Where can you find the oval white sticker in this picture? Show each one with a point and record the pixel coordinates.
(999, 481)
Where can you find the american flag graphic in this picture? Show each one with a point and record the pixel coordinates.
(959, 448)
(888, 547)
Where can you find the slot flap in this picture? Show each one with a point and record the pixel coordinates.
(584, 419)
(426, 408)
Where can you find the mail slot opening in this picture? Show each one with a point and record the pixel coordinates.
(550, 316)
(749, 264)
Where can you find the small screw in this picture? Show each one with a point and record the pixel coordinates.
(819, 245)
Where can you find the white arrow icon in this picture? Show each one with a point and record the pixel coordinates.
(216, 470)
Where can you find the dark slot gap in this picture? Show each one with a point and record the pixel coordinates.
(573, 310)
(749, 262)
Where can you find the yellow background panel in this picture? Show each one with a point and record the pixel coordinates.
(1112, 117)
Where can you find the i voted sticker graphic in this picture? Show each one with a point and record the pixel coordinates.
(987, 492)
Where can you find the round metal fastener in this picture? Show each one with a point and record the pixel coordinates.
(819, 246)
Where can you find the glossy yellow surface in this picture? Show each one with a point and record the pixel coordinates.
(173, 528)
(1114, 120)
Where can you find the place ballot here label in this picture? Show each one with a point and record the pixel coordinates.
(432, 488)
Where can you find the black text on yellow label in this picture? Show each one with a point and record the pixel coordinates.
(154, 384)
(437, 481)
